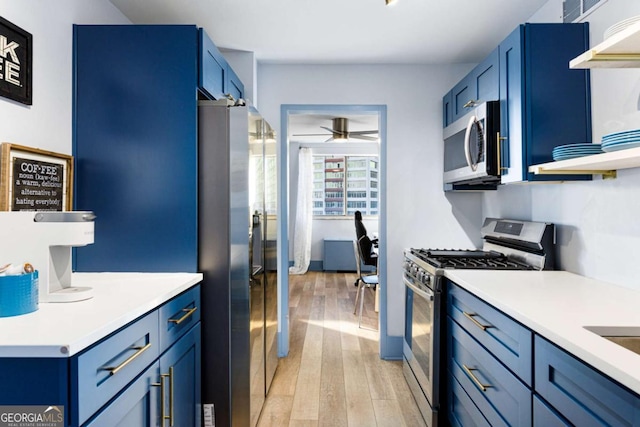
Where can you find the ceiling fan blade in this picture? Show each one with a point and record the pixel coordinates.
(362, 132)
(365, 138)
(309, 134)
(333, 131)
(329, 140)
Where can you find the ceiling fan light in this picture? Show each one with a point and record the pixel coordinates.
(340, 138)
(390, 2)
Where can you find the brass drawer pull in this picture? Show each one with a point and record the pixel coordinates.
(171, 396)
(140, 350)
(188, 312)
(471, 317)
(162, 401)
(475, 379)
(499, 140)
(162, 404)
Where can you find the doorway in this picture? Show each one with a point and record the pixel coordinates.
(314, 127)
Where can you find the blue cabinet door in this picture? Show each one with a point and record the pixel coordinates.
(511, 105)
(462, 411)
(213, 68)
(137, 406)
(486, 78)
(462, 97)
(480, 85)
(135, 145)
(545, 416)
(446, 110)
(180, 368)
(233, 86)
(543, 103)
(581, 394)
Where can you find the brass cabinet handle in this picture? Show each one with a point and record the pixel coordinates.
(471, 317)
(188, 312)
(470, 103)
(162, 405)
(499, 140)
(140, 350)
(171, 396)
(475, 379)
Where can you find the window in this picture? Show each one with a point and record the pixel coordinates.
(356, 194)
(332, 174)
(576, 10)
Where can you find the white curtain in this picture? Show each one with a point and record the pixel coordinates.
(304, 214)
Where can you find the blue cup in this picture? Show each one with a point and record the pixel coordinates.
(18, 294)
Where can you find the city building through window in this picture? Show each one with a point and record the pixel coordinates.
(345, 184)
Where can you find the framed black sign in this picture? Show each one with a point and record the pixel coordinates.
(32, 179)
(16, 47)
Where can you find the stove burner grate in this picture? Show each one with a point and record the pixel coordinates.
(469, 259)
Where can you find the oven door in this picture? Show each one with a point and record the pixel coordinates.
(421, 332)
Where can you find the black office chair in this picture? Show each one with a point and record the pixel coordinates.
(368, 257)
(361, 230)
(364, 280)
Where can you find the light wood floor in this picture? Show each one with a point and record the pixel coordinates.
(333, 375)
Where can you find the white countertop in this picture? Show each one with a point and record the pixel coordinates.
(557, 305)
(64, 329)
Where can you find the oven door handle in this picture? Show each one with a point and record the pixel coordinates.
(421, 292)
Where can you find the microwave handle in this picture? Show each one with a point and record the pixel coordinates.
(467, 148)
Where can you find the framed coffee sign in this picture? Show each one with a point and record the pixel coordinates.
(35, 180)
(16, 54)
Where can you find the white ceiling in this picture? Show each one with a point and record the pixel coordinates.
(345, 31)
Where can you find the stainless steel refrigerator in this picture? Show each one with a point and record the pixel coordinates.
(234, 245)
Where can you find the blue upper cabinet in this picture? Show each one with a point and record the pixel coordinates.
(544, 103)
(213, 68)
(135, 137)
(216, 78)
(480, 85)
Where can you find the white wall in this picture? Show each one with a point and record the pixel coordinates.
(419, 214)
(47, 123)
(598, 227)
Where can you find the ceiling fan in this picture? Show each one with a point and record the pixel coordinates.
(340, 132)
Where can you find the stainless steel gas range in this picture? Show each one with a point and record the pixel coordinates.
(508, 245)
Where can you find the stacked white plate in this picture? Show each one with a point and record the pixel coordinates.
(571, 151)
(619, 26)
(621, 140)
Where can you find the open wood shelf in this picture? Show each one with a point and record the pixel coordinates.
(605, 164)
(621, 50)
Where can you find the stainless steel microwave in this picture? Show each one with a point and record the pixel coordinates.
(472, 147)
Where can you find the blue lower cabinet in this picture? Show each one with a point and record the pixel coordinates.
(180, 373)
(137, 406)
(545, 416)
(462, 411)
(584, 396)
(509, 341)
(124, 379)
(104, 370)
(498, 394)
